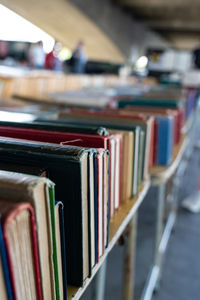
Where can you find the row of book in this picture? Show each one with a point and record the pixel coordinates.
(89, 160)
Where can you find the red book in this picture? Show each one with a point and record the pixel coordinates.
(19, 231)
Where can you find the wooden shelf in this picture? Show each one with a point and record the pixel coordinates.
(188, 124)
(117, 226)
(160, 174)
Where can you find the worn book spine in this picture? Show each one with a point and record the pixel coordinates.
(6, 221)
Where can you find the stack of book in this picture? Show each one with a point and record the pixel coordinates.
(94, 170)
(63, 180)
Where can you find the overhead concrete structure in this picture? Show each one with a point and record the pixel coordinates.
(67, 24)
(176, 20)
(132, 37)
(109, 33)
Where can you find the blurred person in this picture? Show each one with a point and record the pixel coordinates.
(196, 57)
(52, 61)
(36, 55)
(79, 59)
(4, 49)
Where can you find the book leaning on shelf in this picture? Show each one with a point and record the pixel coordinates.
(84, 172)
(20, 273)
(26, 224)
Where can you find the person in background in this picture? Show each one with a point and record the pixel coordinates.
(78, 59)
(52, 61)
(36, 55)
(196, 57)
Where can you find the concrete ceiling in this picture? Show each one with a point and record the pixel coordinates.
(67, 24)
(176, 20)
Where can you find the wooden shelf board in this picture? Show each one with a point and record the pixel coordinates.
(160, 174)
(117, 227)
(188, 124)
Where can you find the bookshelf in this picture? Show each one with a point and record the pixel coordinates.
(160, 176)
(118, 224)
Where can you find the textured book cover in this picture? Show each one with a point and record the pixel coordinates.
(19, 232)
(16, 188)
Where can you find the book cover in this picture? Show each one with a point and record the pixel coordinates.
(55, 125)
(60, 240)
(19, 232)
(16, 187)
(165, 140)
(5, 283)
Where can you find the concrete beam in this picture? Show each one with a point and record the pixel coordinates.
(68, 25)
(160, 3)
(174, 25)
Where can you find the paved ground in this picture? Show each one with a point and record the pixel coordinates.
(181, 272)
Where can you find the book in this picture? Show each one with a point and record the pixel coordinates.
(19, 232)
(5, 283)
(154, 102)
(165, 140)
(55, 125)
(16, 187)
(81, 98)
(60, 241)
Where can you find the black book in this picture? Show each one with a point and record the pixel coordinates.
(55, 125)
(67, 167)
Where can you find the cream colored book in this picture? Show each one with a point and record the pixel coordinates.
(16, 187)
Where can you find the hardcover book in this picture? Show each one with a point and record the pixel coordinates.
(16, 188)
(19, 232)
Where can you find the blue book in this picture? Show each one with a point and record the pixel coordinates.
(165, 140)
(95, 208)
(5, 269)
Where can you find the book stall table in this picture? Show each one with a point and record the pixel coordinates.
(124, 220)
(161, 179)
